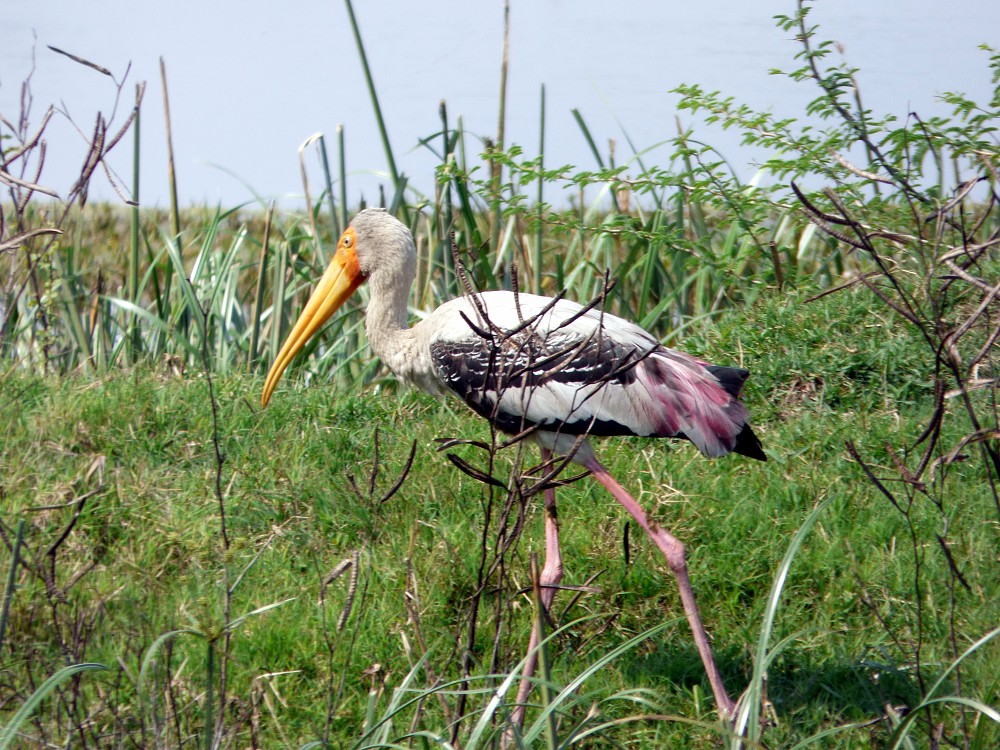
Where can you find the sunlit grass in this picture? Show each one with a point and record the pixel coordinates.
(151, 534)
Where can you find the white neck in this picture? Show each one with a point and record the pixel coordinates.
(385, 320)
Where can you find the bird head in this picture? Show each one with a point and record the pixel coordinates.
(363, 250)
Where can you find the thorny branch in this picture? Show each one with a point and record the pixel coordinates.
(21, 171)
(517, 355)
(934, 280)
(356, 601)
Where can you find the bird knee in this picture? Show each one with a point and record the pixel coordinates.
(673, 550)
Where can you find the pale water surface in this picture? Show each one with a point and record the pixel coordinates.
(250, 81)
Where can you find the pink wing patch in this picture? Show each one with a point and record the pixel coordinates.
(687, 399)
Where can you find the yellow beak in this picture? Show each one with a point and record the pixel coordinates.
(343, 276)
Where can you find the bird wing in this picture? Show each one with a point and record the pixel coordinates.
(524, 361)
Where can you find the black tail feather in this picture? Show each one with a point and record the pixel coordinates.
(748, 444)
(730, 378)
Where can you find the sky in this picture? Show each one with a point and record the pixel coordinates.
(250, 82)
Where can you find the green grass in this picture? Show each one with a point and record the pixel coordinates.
(152, 536)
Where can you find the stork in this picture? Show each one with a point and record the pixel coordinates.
(549, 367)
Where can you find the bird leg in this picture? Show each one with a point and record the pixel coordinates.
(548, 581)
(673, 549)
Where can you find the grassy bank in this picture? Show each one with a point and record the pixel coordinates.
(128, 461)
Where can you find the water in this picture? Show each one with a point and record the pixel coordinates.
(247, 87)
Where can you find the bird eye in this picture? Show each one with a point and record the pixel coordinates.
(347, 240)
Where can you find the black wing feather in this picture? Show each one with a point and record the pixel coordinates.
(480, 370)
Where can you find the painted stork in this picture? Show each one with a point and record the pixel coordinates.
(549, 366)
